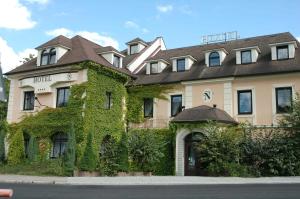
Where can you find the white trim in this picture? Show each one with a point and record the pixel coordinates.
(216, 49)
(283, 43)
(184, 56)
(248, 48)
(169, 101)
(156, 60)
(208, 81)
(113, 52)
(228, 98)
(10, 107)
(188, 96)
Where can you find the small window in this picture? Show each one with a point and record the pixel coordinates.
(282, 52)
(108, 101)
(44, 57)
(154, 67)
(176, 104)
(148, 107)
(246, 57)
(59, 145)
(214, 59)
(116, 61)
(245, 102)
(52, 56)
(62, 96)
(28, 101)
(283, 99)
(133, 49)
(180, 65)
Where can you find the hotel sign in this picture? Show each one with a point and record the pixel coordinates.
(46, 78)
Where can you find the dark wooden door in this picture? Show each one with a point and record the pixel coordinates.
(191, 157)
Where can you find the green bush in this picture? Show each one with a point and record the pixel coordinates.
(109, 155)
(16, 149)
(3, 129)
(88, 161)
(69, 156)
(33, 149)
(122, 160)
(151, 150)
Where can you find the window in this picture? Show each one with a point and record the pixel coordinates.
(116, 61)
(214, 59)
(133, 49)
(176, 104)
(180, 65)
(154, 67)
(246, 57)
(245, 102)
(62, 96)
(44, 57)
(59, 145)
(282, 52)
(52, 56)
(283, 99)
(148, 107)
(28, 101)
(108, 101)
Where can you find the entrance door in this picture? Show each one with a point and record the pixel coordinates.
(191, 158)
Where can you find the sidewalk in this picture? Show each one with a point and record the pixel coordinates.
(141, 180)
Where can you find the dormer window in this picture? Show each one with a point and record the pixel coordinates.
(154, 67)
(282, 52)
(134, 49)
(48, 56)
(246, 57)
(116, 61)
(214, 59)
(180, 65)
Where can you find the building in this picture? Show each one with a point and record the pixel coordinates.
(250, 80)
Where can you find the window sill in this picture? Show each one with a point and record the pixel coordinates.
(245, 115)
(28, 111)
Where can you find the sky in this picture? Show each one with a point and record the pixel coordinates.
(25, 24)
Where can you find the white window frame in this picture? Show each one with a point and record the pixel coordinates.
(22, 100)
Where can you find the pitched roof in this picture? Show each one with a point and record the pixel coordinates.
(59, 40)
(82, 50)
(229, 68)
(203, 114)
(137, 40)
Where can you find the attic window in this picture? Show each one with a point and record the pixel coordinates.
(282, 52)
(133, 49)
(246, 57)
(180, 65)
(154, 67)
(116, 61)
(48, 56)
(214, 59)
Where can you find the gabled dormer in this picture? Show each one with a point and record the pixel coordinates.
(51, 51)
(247, 55)
(283, 50)
(135, 46)
(182, 63)
(215, 57)
(112, 55)
(155, 66)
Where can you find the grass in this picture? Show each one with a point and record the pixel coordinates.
(45, 168)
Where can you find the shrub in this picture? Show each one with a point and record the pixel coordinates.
(33, 149)
(122, 160)
(109, 155)
(16, 148)
(3, 129)
(69, 156)
(88, 161)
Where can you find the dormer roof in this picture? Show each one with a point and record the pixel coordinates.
(108, 49)
(137, 40)
(57, 41)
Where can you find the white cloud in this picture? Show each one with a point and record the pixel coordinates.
(186, 9)
(164, 8)
(9, 58)
(298, 38)
(93, 36)
(131, 24)
(14, 15)
(42, 2)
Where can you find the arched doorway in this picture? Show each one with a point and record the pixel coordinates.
(192, 166)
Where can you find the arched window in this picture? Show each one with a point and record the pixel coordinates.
(59, 145)
(214, 59)
(52, 56)
(44, 57)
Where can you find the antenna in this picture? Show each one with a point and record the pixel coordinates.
(221, 37)
(2, 86)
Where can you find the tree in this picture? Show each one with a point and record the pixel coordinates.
(88, 160)
(123, 153)
(27, 59)
(16, 149)
(69, 157)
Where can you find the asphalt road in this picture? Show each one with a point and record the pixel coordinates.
(251, 191)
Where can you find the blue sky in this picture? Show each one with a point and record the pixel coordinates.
(25, 24)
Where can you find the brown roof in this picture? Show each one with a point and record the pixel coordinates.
(137, 40)
(106, 49)
(229, 68)
(59, 40)
(203, 114)
(82, 50)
